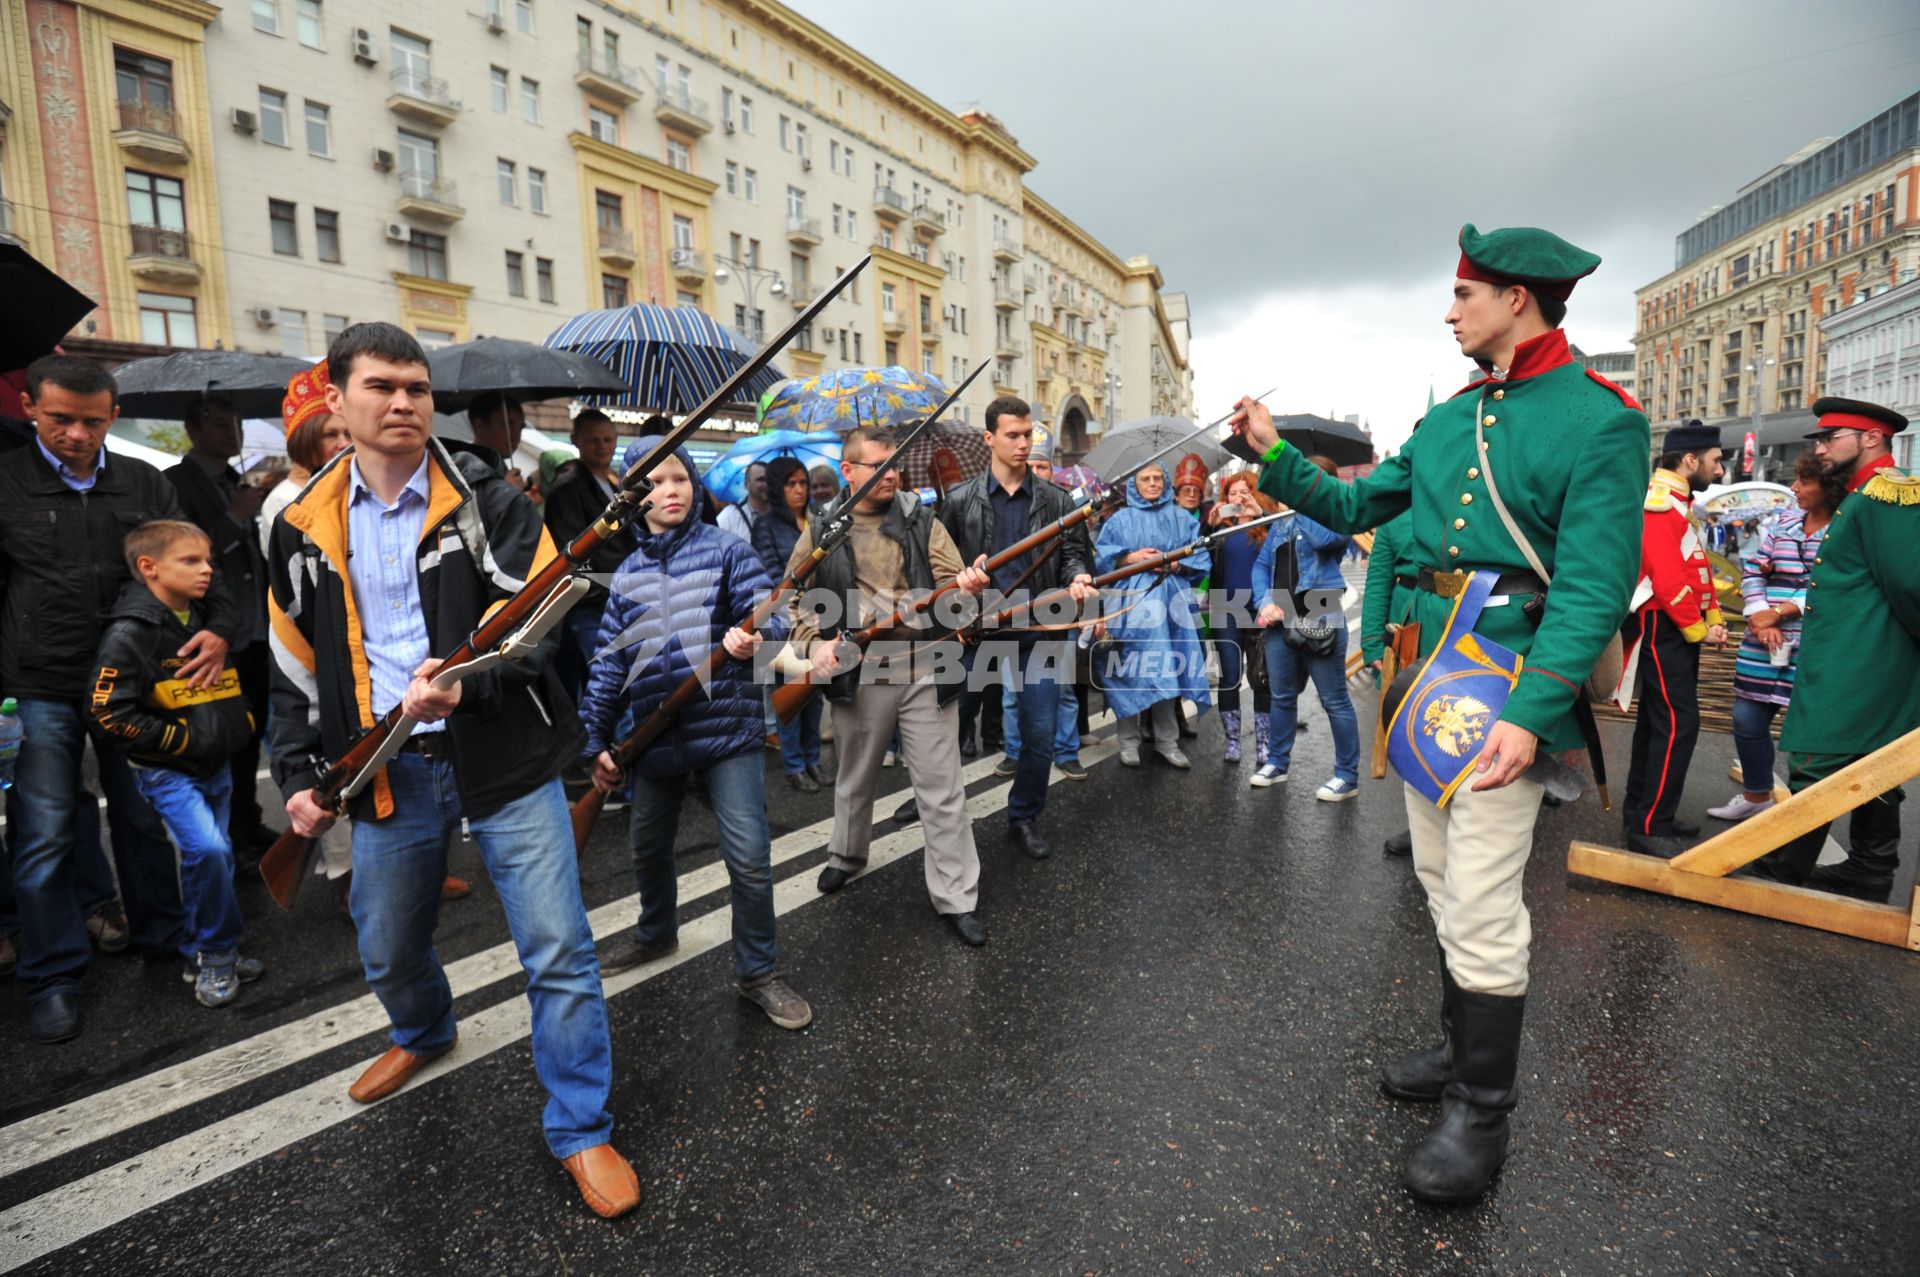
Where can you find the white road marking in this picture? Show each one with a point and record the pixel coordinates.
(73, 1211)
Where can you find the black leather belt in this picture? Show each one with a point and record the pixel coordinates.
(426, 744)
(1448, 585)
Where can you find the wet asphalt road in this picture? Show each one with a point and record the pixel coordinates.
(1164, 1061)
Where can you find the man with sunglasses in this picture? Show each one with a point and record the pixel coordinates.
(1863, 600)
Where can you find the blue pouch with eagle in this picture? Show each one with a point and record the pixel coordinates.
(1453, 698)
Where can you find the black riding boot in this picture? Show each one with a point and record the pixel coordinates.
(1423, 1075)
(1867, 872)
(1456, 1160)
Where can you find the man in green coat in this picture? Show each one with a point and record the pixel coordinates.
(1385, 603)
(1863, 602)
(1569, 452)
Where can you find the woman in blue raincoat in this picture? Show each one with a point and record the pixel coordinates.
(1156, 656)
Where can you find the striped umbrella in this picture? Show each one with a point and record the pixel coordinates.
(846, 398)
(671, 357)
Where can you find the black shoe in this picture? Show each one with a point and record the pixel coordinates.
(802, 782)
(1423, 1075)
(56, 1017)
(628, 952)
(1664, 846)
(1028, 839)
(1455, 1161)
(968, 927)
(832, 879)
(1685, 828)
(968, 748)
(1072, 769)
(819, 777)
(1848, 879)
(908, 812)
(1401, 844)
(1007, 767)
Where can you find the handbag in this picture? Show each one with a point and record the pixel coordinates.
(1308, 640)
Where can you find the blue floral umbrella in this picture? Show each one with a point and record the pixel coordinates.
(848, 398)
(727, 477)
(671, 357)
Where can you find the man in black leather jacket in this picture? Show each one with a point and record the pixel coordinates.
(990, 513)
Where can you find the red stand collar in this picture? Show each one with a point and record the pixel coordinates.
(1532, 357)
(1866, 472)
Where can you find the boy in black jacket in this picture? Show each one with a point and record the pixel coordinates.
(179, 738)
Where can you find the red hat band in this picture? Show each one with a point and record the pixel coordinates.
(1559, 290)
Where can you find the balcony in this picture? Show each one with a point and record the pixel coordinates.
(1112, 325)
(802, 231)
(1005, 297)
(893, 323)
(151, 132)
(10, 229)
(420, 96)
(1004, 248)
(927, 222)
(889, 203)
(616, 246)
(434, 199)
(689, 266)
(604, 77)
(1033, 279)
(163, 256)
(802, 294)
(1006, 347)
(677, 108)
(929, 332)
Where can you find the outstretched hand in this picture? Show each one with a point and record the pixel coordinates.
(1253, 421)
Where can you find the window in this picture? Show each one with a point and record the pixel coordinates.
(427, 255)
(523, 16)
(607, 210)
(886, 300)
(750, 190)
(801, 146)
(786, 134)
(613, 292)
(146, 85)
(537, 189)
(726, 105)
(319, 130)
(326, 234)
(332, 326)
(434, 338)
(543, 276)
(846, 156)
(682, 232)
(733, 178)
(686, 298)
(509, 182)
(412, 64)
(583, 41)
(282, 216)
(516, 274)
(153, 200)
(610, 47)
(833, 155)
(266, 17)
(836, 219)
(498, 84)
(529, 100)
(419, 158)
(746, 114)
(796, 202)
(273, 117)
(307, 22)
(603, 125)
(166, 320)
(293, 332)
(679, 155)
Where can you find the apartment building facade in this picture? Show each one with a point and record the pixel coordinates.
(496, 167)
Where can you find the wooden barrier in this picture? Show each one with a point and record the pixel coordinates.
(1700, 874)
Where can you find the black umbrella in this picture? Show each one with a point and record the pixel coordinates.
(463, 373)
(41, 308)
(163, 386)
(1346, 445)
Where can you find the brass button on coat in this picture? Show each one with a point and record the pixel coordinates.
(1459, 524)
(1489, 420)
(1466, 498)
(1499, 394)
(1473, 472)
(1453, 551)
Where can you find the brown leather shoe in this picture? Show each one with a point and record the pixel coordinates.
(454, 888)
(388, 1073)
(606, 1180)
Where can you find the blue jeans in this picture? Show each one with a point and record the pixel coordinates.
(1066, 724)
(195, 813)
(50, 811)
(1752, 722)
(1285, 667)
(92, 875)
(800, 738)
(1230, 639)
(398, 866)
(1039, 713)
(737, 786)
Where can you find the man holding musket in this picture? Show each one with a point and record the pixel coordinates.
(1535, 428)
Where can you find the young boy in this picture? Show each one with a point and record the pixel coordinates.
(684, 591)
(179, 738)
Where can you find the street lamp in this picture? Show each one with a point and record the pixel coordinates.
(751, 277)
(1757, 370)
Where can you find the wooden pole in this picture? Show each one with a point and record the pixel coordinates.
(1389, 667)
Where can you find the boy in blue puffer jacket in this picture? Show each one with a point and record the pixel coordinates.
(685, 589)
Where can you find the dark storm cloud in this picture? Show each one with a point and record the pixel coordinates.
(1255, 148)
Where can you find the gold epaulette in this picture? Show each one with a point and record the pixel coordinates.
(1659, 498)
(1892, 487)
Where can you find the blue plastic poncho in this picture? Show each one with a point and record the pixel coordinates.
(1157, 653)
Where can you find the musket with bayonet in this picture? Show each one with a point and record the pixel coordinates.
(515, 628)
(834, 529)
(790, 698)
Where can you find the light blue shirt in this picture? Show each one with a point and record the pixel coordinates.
(382, 541)
(65, 471)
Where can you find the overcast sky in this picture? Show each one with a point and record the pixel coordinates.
(1302, 171)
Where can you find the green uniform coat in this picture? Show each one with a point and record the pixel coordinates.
(1386, 601)
(1571, 452)
(1862, 615)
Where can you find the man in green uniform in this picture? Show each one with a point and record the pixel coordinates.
(1864, 598)
(1388, 602)
(1569, 453)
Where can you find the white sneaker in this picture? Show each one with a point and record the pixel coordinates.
(1267, 775)
(889, 759)
(1739, 808)
(1174, 756)
(1129, 756)
(1336, 791)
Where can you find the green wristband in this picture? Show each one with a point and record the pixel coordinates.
(1273, 453)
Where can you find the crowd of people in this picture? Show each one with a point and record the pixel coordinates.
(185, 622)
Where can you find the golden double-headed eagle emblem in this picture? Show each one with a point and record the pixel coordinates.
(1456, 724)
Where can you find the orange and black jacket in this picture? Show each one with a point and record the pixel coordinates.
(515, 727)
(141, 703)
